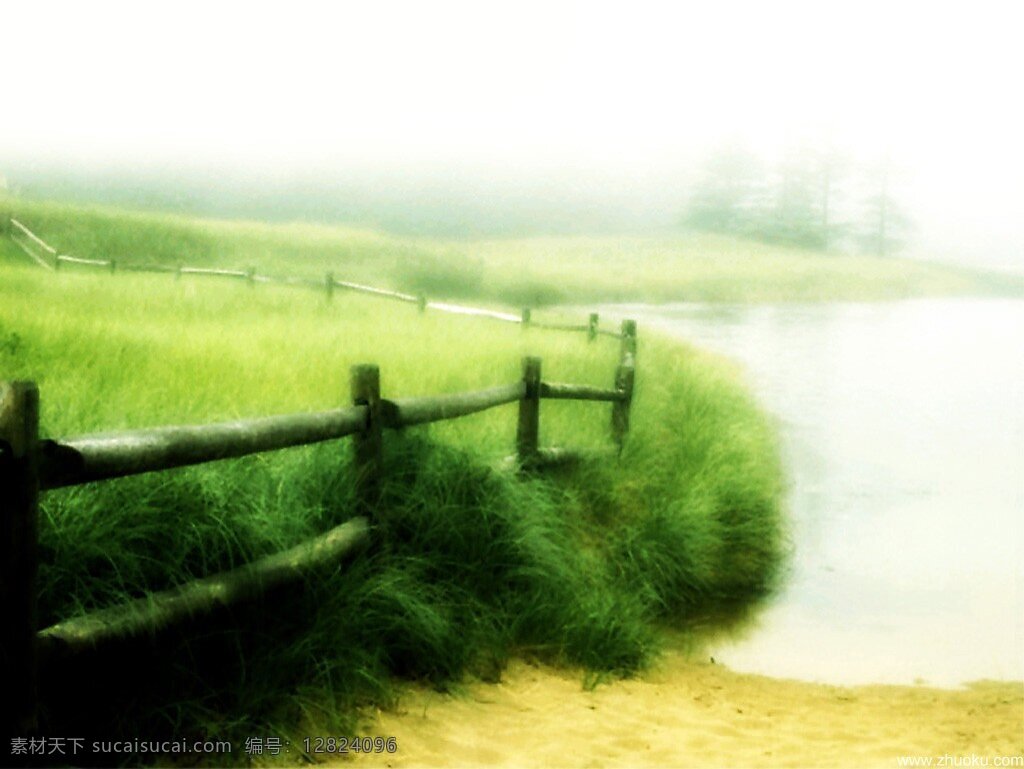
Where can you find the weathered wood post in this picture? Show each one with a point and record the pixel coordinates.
(528, 430)
(628, 344)
(19, 497)
(592, 327)
(329, 285)
(368, 444)
(625, 377)
(525, 318)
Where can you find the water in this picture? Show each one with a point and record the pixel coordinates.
(903, 433)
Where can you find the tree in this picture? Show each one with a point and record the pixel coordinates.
(804, 188)
(727, 196)
(884, 223)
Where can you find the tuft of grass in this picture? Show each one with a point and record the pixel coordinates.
(468, 565)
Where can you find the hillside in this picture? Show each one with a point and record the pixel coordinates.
(513, 271)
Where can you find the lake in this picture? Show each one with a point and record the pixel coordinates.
(903, 436)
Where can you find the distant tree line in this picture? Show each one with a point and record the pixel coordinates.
(812, 198)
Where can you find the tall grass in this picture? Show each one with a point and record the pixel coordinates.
(518, 271)
(470, 564)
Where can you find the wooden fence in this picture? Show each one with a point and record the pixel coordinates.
(50, 258)
(30, 465)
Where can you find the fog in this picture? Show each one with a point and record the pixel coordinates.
(466, 118)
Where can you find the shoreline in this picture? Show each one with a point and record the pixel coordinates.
(688, 713)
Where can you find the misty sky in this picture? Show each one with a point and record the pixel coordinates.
(629, 88)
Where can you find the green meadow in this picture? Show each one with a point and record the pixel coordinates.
(535, 271)
(474, 564)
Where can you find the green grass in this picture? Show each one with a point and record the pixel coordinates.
(515, 271)
(472, 565)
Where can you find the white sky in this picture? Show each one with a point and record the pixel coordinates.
(619, 85)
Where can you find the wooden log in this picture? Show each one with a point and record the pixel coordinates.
(212, 271)
(92, 458)
(628, 345)
(459, 309)
(376, 291)
(34, 256)
(33, 237)
(624, 379)
(369, 442)
(301, 282)
(528, 430)
(592, 322)
(575, 392)
(80, 260)
(146, 617)
(415, 411)
(559, 326)
(19, 500)
(161, 268)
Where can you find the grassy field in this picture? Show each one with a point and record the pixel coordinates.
(516, 271)
(475, 565)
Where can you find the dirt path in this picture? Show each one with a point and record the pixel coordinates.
(696, 714)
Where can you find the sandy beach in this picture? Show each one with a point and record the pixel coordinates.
(688, 713)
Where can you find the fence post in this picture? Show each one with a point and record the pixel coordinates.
(329, 285)
(625, 377)
(368, 444)
(592, 327)
(526, 317)
(177, 272)
(528, 430)
(421, 303)
(19, 494)
(250, 276)
(113, 266)
(628, 346)
(56, 261)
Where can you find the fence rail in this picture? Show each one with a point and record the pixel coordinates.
(148, 616)
(16, 228)
(33, 237)
(579, 392)
(75, 461)
(328, 284)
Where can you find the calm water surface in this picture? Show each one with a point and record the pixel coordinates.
(903, 431)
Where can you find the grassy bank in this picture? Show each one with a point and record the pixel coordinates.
(475, 565)
(517, 271)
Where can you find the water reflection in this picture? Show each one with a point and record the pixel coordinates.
(903, 427)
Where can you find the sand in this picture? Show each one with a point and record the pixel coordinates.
(685, 713)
